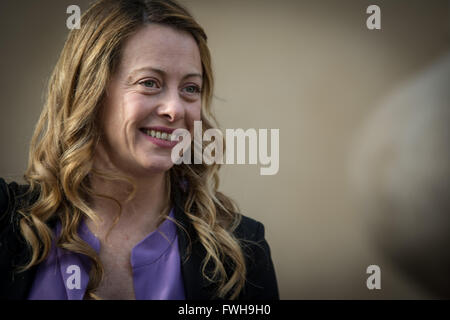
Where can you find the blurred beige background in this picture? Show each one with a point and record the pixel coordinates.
(309, 68)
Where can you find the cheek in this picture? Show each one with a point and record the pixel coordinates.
(122, 115)
(112, 119)
(193, 114)
(134, 107)
(129, 113)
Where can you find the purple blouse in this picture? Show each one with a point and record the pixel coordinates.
(155, 262)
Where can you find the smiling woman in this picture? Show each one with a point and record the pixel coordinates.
(149, 92)
(105, 207)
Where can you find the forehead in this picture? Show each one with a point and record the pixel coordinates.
(161, 47)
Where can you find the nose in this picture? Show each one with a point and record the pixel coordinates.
(171, 106)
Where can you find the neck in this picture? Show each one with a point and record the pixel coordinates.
(141, 213)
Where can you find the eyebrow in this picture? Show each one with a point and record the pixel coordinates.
(160, 72)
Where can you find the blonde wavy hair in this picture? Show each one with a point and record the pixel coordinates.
(67, 133)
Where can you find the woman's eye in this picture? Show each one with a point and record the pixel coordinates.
(148, 83)
(192, 89)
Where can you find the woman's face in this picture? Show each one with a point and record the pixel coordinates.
(157, 87)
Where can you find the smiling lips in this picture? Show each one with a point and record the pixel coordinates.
(161, 136)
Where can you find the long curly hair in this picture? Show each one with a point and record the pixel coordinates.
(62, 148)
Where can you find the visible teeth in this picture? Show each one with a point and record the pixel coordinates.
(160, 135)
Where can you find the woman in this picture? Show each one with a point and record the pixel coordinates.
(106, 214)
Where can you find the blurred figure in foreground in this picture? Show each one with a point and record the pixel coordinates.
(400, 169)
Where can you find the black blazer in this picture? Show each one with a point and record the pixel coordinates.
(261, 281)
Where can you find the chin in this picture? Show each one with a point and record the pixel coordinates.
(160, 165)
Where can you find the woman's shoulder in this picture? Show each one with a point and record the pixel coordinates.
(261, 277)
(10, 191)
(3, 196)
(249, 229)
(13, 249)
(251, 235)
(6, 200)
(13, 195)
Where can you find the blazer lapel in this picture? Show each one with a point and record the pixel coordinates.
(192, 254)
